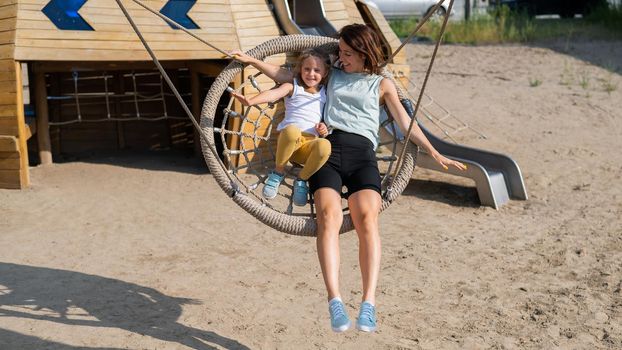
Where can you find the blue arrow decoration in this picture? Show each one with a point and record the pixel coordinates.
(177, 10)
(64, 14)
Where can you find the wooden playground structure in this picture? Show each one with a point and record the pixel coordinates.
(74, 77)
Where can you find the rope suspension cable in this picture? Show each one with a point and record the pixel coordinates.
(421, 23)
(211, 147)
(425, 80)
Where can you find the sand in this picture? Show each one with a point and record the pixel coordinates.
(144, 251)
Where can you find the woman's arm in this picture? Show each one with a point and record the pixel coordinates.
(271, 95)
(388, 94)
(274, 72)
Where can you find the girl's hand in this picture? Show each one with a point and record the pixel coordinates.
(240, 56)
(446, 162)
(243, 99)
(321, 129)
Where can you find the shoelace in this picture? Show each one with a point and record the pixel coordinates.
(336, 309)
(367, 312)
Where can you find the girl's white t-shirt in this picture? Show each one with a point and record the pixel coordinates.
(303, 109)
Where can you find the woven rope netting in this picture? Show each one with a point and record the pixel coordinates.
(251, 156)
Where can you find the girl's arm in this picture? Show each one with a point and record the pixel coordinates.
(388, 93)
(274, 72)
(271, 95)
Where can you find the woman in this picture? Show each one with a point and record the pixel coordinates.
(355, 93)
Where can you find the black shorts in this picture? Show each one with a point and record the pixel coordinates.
(352, 163)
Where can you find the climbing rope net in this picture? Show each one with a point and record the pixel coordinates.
(141, 82)
(447, 124)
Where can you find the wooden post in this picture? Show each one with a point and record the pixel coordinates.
(21, 128)
(467, 10)
(43, 120)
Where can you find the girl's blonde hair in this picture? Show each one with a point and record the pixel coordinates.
(321, 55)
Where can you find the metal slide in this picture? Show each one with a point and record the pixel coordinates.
(497, 177)
(302, 17)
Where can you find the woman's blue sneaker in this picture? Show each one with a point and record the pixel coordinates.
(339, 320)
(301, 193)
(366, 321)
(271, 187)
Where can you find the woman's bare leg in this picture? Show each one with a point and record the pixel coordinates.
(364, 208)
(329, 219)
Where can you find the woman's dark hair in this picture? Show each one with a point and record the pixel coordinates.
(321, 55)
(364, 40)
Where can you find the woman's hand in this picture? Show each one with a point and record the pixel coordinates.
(321, 129)
(446, 162)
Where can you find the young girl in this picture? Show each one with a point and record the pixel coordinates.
(298, 139)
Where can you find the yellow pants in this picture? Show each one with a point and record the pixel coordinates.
(302, 148)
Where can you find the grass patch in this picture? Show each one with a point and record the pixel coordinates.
(608, 85)
(505, 26)
(567, 76)
(535, 82)
(584, 79)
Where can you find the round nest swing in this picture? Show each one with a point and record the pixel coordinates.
(240, 182)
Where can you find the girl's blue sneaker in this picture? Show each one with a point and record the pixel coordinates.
(300, 193)
(339, 320)
(366, 321)
(271, 187)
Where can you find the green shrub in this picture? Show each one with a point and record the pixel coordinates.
(609, 16)
(504, 26)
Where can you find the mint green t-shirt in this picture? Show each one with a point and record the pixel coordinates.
(353, 103)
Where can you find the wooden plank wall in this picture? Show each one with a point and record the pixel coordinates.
(342, 12)
(255, 24)
(114, 40)
(13, 135)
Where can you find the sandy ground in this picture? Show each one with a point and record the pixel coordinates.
(143, 251)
